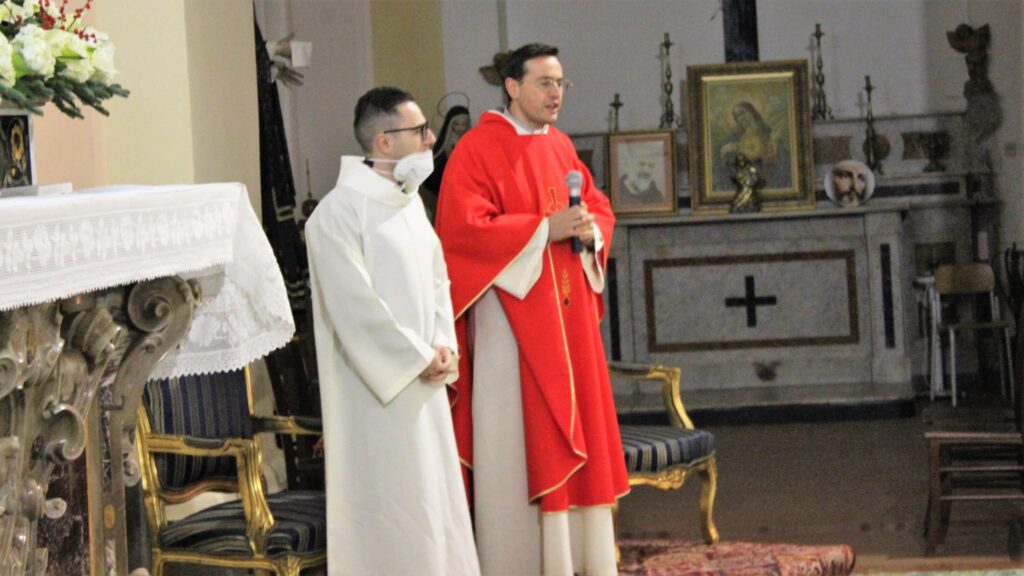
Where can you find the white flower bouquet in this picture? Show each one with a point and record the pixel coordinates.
(47, 54)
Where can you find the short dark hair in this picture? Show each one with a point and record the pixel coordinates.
(374, 111)
(514, 64)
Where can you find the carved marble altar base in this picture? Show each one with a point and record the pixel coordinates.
(57, 361)
(72, 370)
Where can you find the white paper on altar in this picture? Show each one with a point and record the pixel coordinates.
(55, 247)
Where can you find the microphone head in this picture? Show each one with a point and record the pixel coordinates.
(574, 180)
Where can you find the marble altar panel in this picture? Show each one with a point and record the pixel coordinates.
(767, 304)
(771, 300)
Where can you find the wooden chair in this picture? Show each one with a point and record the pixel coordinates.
(196, 434)
(665, 456)
(976, 460)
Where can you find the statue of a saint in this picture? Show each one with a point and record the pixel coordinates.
(749, 181)
(973, 43)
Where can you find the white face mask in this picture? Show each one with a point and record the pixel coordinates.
(411, 170)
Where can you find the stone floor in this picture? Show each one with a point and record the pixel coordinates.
(861, 482)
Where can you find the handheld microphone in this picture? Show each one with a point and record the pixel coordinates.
(574, 180)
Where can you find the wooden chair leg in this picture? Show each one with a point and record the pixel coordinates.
(945, 507)
(932, 516)
(1009, 365)
(708, 488)
(1002, 365)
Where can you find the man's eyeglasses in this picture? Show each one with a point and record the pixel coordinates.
(422, 129)
(548, 83)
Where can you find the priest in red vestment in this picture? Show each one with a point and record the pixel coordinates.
(533, 409)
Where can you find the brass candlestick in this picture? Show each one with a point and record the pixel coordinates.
(821, 110)
(668, 117)
(615, 104)
(876, 147)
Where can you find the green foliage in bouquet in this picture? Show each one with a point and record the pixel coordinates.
(47, 54)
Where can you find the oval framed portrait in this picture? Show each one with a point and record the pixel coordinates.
(849, 183)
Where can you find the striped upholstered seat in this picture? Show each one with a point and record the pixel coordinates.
(198, 434)
(207, 406)
(300, 527)
(652, 449)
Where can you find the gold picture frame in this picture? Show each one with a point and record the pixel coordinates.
(759, 109)
(642, 173)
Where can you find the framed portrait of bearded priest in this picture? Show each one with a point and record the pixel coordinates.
(641, 173)
(755, 113)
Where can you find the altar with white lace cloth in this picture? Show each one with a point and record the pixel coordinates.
(100, 291)
(53, 247)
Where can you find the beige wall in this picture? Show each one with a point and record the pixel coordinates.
(222, 87)
(408, 50)
(192, 115)
(67, 150)
(147, 139)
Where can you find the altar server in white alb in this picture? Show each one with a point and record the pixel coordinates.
(386, 347)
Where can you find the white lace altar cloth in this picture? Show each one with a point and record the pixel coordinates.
(53, 247)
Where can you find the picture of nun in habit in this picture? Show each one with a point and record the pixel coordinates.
(456, 123)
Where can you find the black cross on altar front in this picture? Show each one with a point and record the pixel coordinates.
(750, 302)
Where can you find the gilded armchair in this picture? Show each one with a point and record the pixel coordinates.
(665, 456)
(197, 434)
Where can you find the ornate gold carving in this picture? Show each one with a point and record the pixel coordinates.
(669, 479)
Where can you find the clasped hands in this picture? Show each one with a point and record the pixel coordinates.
(571, 222)
(442, 365)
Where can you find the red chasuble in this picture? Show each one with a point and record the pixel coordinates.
(498, 187)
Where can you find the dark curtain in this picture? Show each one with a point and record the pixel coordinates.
(292, 369)
(278, 190)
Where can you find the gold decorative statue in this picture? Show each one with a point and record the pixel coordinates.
(749, 181)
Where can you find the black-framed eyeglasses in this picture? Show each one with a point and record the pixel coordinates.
(422, 129)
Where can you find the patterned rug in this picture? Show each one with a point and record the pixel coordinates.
(681, 558)
(1017, 572)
